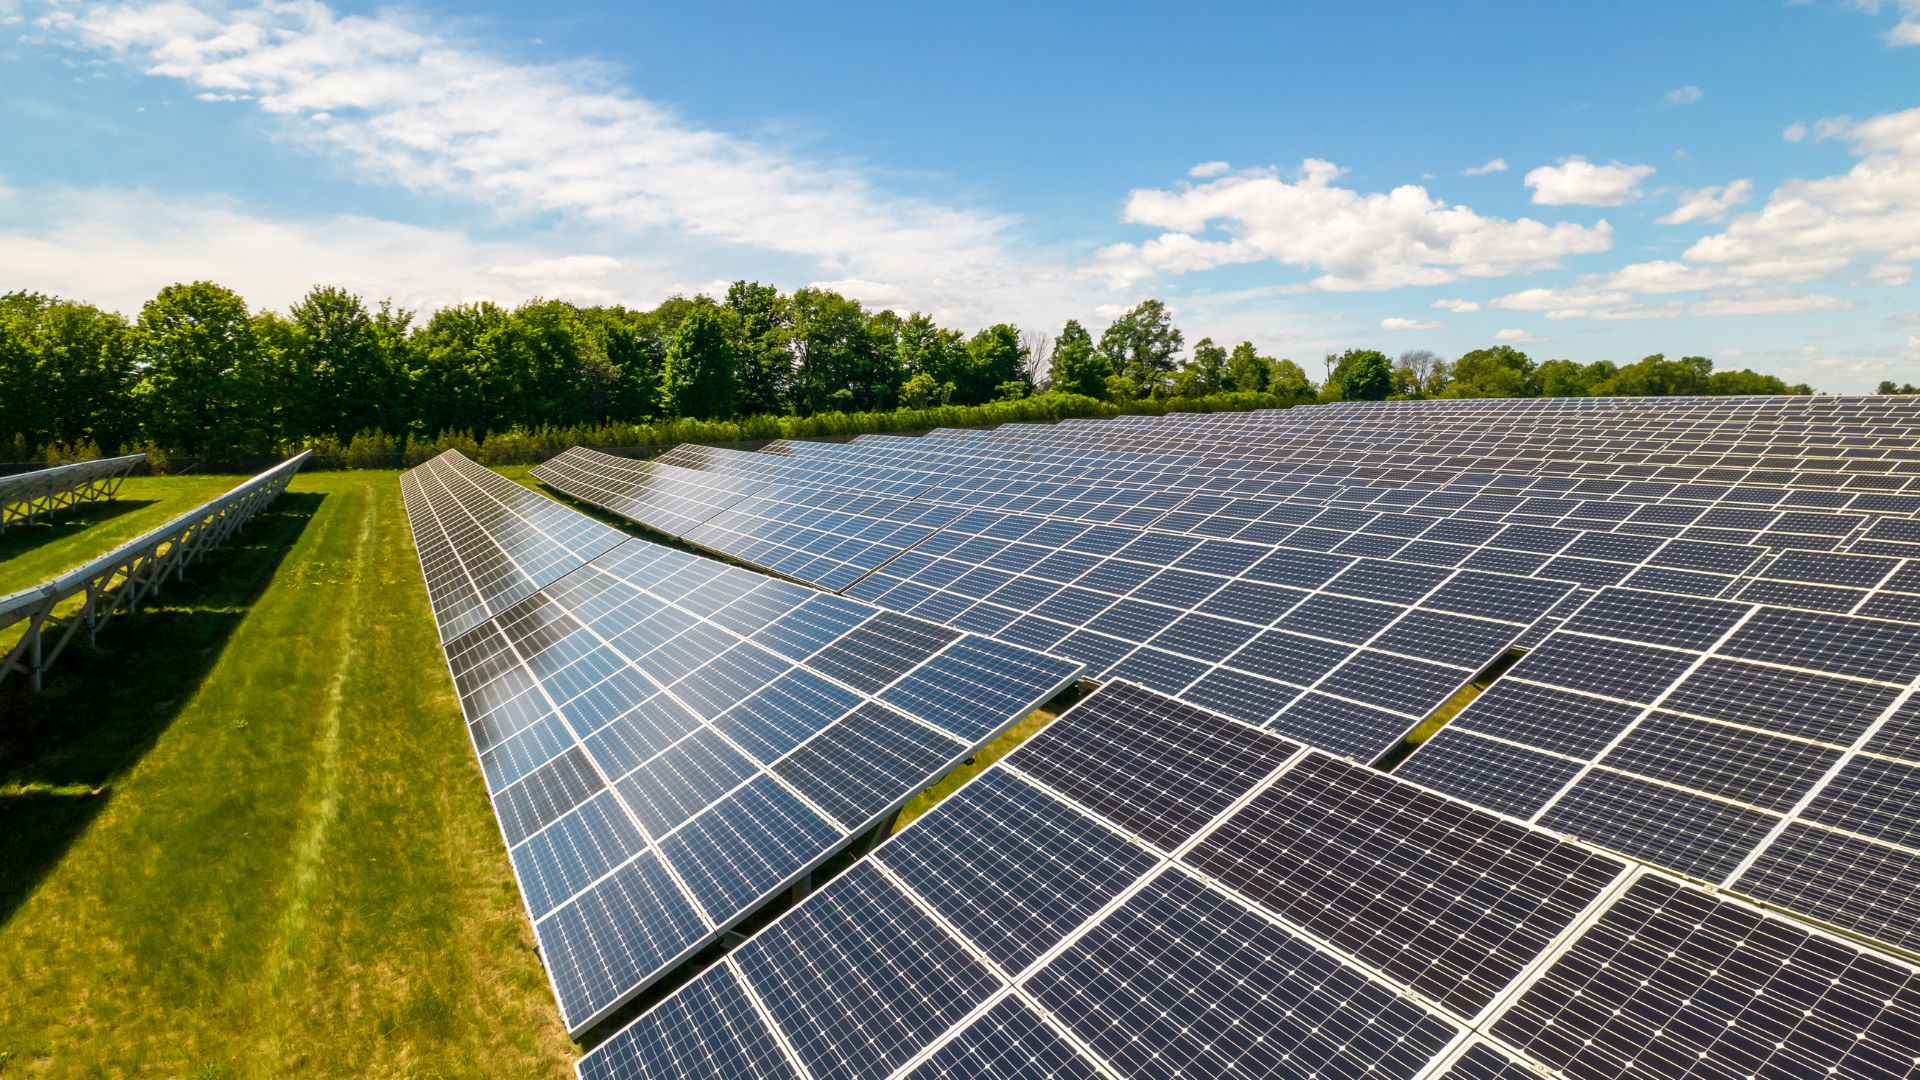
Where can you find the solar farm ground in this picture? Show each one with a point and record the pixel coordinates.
(247, 836)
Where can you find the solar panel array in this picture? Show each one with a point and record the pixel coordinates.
(1678, 838)
(1145, 889)
(669, 742)
(1345, 652)
(28, 496)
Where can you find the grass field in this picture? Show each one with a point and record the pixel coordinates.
(247, 836)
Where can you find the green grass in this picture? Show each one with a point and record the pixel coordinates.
(247, 837)
(31, 554)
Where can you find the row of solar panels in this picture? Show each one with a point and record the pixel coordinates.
(1348, 654)
(668, 742)
(28, 496)
(50, 616)
(1610, 441)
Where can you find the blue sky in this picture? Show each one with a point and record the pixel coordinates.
(1740, 180)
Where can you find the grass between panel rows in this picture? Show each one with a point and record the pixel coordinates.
(247, 837)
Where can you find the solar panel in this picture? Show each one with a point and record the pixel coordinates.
(668, 742)
(1304, 917)
(29, 496)
(486, 543)
(1761, 749)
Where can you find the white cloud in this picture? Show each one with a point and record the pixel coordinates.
(1458, 307)
(118, 248)
(1709, 203)
(1356, 240)
(1498, 164)
(1794, 132)
(1810, 229)
(1401, 323)
(1575, 181)
(1904, 32)
(1684, 95)
(401, 104)
(1209, 168)
(1515, 336)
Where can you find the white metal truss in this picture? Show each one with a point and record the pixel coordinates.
(28, 497)
(118, 581)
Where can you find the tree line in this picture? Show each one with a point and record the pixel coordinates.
(198, 371)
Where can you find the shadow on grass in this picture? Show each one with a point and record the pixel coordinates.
(22, 538)
(102, 709)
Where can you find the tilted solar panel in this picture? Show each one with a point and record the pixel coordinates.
(668, 741)
(1769, 751)
(486, 542)
(1144, 889)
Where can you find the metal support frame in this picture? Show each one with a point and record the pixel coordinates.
(117, 582)
(28, 497)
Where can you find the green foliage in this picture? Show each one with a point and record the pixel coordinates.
(1288, 382)
(1501, 371)
(1362, 375)
(1205, 372)
(197, 374)
(1888, 386)
(1247, 370)
(1140, 346)
(697, 380)
(1076, 367)
(204, 381)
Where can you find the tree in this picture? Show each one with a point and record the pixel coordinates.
(340, 365)
(1247, 370)
(1656, 376)
(925, 349)
(1036, 346)
(1501, 371)
(1365, 375)
(922, 392)
(841, 360)
(1888, 386)
(1141, 345)
(202, 384)
(697, 380)
(456, 379)
(65, 373)
(996, 367)
(1204, 373)
(765, 354)
(1076, 366)
(1418, 361)
(1288, 381)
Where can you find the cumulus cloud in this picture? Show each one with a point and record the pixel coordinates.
(1810, 229)
(1498, 164)
(1684, 95)
(1575, 181)
(1709, 203)
(401, 104)
(1458, 307)
(1398, 322)
(1864, 223)
(1355, 240)
(1209, 168)
(1794, 132)
(1516, 336)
